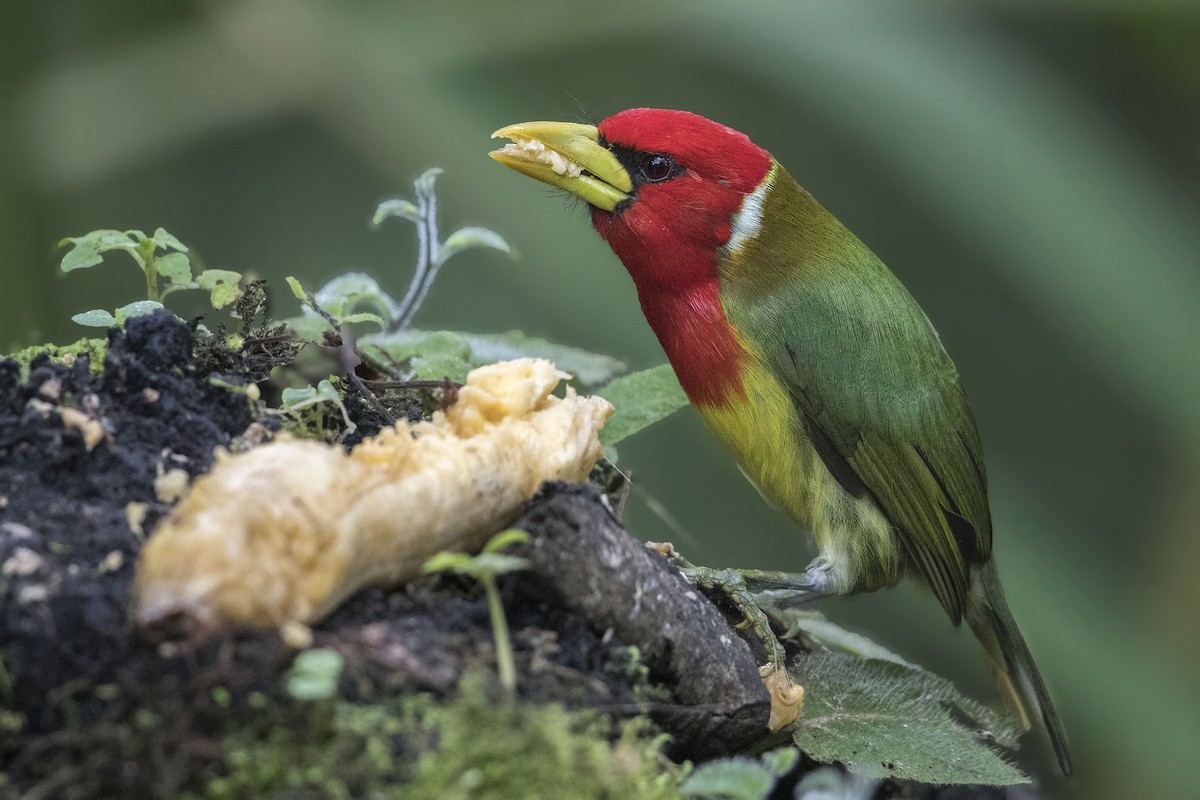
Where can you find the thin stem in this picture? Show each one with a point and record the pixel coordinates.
(146, 250)
(408, 305)
(504, 652)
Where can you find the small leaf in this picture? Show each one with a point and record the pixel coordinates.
(733, 778)
(424, 183)
(139, 308)
(81, 256)
(297, 290)
(176, 268)
(640, 400)
(326, 392)
(223, 294)
(308, 327)
(88, 248)
(298, 396)
(498, 563)
(431, 355)
(590, 369)
(212, 278)
(165, 240)
(363, 316)
(469, 238)
(96, 318)
(505, 538)
(395, 208)
(781, 760)
(447, 562)
(345, 293)
(314, 674)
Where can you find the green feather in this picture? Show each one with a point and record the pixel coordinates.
(880, 402)
(879, 395)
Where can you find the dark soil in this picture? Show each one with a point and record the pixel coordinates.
(74, 670)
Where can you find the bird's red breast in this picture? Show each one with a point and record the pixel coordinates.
(672, 238)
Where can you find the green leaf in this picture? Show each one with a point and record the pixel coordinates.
(176, 268)
(431, 355)
(88, 248)
(212, 278)
(883, 719)
(732, 778)
(504, 538)
(326, 392)
(640, 399)
(81, 256)
(139, 308)
(590, 369)
(424, 183)
(297, 290)
(342, 295)
(780, 760)
(314, 674)
(363, 316)
(223, 294)
(470, 238)
(497, 563)
(395, 208)
(298, 396)
(308, 327)
(447, 562)
(165, 240)
(96, 318)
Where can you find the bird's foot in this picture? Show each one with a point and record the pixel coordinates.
(787, 698)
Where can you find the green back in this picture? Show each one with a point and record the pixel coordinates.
(879, 396)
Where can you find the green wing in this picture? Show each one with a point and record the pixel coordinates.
(900, 431)
(878, 394)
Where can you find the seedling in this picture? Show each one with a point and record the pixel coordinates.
(166, 272)
(484, 568)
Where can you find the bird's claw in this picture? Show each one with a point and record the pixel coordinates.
(787, 698)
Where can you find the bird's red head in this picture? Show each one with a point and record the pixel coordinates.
(690, 176)
(665, 188)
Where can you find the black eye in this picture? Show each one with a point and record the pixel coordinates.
(657, 167)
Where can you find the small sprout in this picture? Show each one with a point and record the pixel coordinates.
(315, 674)
(431, 252)
(484, 568)
(294, 400)
(99, 318)
(166, 272)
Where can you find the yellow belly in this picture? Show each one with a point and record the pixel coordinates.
(767, 439)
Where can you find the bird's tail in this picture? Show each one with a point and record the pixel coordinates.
(1020, 682)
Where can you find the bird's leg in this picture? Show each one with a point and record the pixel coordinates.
(791, 589)
(787, 698)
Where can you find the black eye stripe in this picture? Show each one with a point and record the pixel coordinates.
(645, 166)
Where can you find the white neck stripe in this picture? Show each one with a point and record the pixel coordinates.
(747, 222)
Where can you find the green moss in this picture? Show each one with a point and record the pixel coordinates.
(476, 746)
(94, 349)
(509, 750)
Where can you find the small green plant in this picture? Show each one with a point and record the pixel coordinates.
(484, 568)
(432, 253)
(165, 272)
(314, 674)
(295, 400)
(337, 300)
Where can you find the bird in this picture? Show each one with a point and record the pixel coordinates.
(806, 357)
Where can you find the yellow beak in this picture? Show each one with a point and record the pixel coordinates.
(567, 156)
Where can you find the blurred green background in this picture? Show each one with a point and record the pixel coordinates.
(1030, 170)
